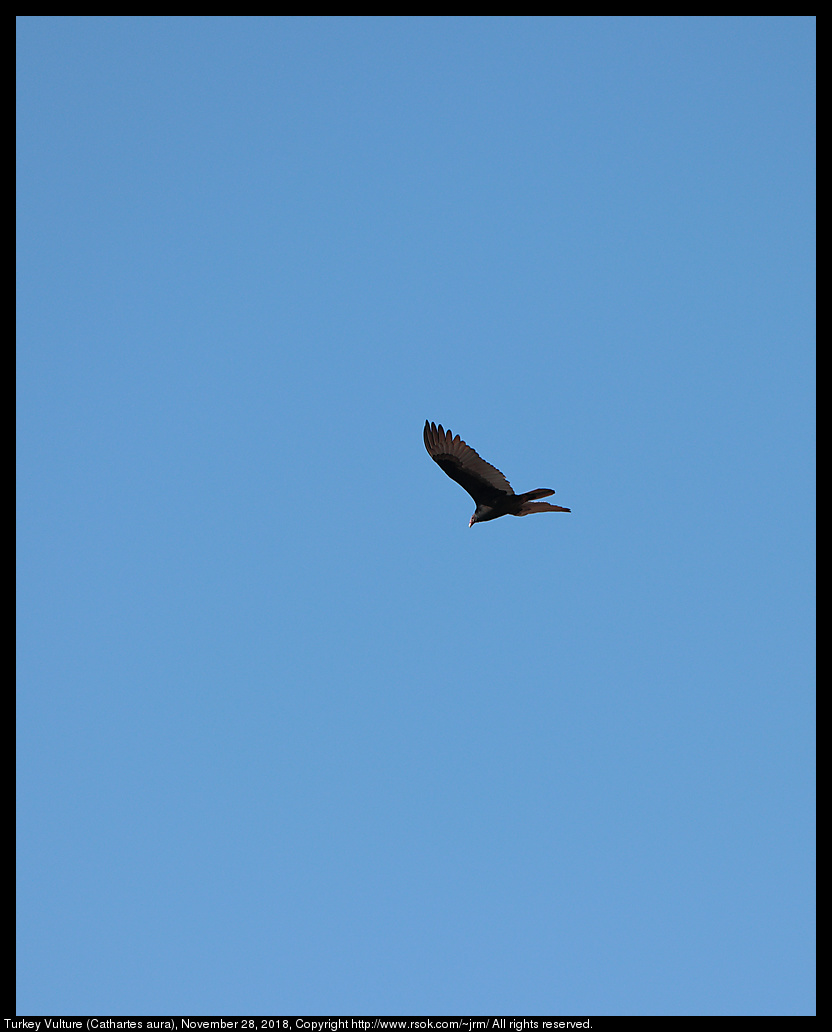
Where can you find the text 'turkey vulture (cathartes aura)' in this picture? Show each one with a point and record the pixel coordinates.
(483, 482)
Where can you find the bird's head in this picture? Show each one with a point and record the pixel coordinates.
(482, 513)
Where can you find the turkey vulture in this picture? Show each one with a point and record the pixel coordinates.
(485, 484)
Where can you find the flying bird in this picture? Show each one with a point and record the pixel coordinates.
(483, 482)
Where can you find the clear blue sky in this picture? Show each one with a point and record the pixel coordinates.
(291, 737)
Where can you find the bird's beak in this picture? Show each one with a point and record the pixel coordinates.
(471, 523)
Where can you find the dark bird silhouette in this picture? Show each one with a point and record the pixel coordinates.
(483, 482)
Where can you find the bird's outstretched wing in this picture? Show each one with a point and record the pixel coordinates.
(483, 482)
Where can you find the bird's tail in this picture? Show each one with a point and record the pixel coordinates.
(541, 507)
(530, 506)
